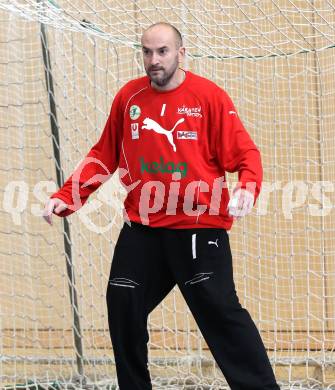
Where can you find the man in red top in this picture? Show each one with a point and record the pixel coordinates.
(173, 135)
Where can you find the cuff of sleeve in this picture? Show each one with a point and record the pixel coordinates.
(65, 212)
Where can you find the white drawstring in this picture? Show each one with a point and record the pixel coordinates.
(194, 248)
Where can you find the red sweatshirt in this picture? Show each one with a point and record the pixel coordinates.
(172, 149)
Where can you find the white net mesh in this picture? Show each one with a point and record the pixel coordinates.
(276, 59)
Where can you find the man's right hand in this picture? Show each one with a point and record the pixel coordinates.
(53, 205)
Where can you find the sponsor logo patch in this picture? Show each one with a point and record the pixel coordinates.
(190, 111)
(134, 131)
(187, 135)
(134, 112)
(163, 167)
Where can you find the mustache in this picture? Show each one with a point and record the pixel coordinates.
(155, 68)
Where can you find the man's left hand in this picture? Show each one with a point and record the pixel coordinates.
(241, 203)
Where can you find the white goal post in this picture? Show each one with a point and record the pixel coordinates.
(61, 63)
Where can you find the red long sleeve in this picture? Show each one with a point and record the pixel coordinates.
(235, 149)
(97, 166)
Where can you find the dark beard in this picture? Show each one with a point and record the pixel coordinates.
(166, 77)
(163, 81)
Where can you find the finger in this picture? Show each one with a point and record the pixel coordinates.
(241, 210)
(47, 212)
(246, 209)
(51, 206)
(250, 206)
(233, 202)
(232, 211)
(47, 217)
(241, 200)
(250, 198)
(240, 213)
(61, 207)
(239, 207)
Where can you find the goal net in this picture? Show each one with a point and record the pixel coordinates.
(61, 63)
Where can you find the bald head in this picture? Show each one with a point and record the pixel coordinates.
(167, 29)
(162, 53)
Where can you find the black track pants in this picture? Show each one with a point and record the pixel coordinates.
(147, 263)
